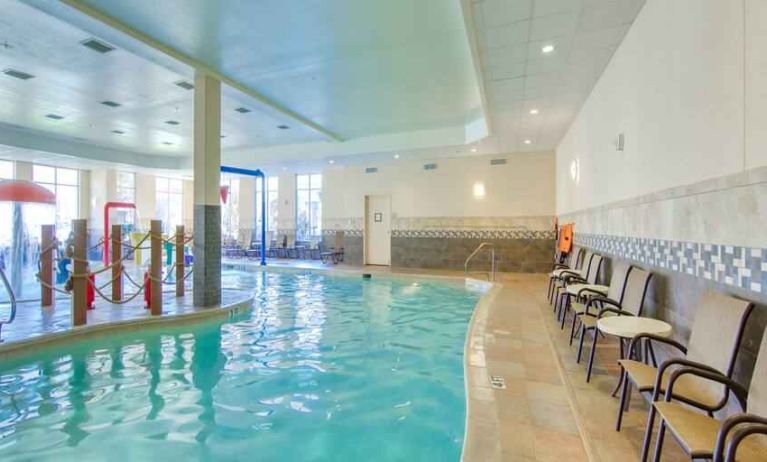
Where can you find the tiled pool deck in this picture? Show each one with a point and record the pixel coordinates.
(545, 410)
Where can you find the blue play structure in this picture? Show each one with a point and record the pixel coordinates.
(259, 174)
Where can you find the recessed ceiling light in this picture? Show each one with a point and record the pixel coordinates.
(331, 161)
(97, 45)
(54, 116)
(118, 132)
(547, 48)
(528, 141)
(184, 84)
(283, 127)
(534, 111)
(396, 156)
(242, 110)
(167, 143)
(17, 74)
(110, 103)
(171, 122)
(223, 136)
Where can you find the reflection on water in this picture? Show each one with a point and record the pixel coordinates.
(324, 368)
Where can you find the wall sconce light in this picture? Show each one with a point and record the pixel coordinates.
(479, 190)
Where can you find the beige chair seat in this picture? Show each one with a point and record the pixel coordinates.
(697, 432)
(573, 289)
(558, 272)
(688, 387)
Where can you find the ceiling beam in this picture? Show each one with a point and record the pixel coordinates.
(199, 66)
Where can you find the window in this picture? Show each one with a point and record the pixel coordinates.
(169, 202)
(272, 186)
(6, 209)
(308, 206)
(230, 211)
(126, 187)
(65, 184)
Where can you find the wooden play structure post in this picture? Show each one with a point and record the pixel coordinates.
(155, 268)
(79, 276)
(180, 261)
(46, 265)
(116, 242)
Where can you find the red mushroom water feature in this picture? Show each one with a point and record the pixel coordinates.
(19, 192)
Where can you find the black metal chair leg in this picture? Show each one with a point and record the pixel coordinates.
(659, 441)
(591, 355)
(625, 390)
(580, 344)
(576, 318)
(648, 433)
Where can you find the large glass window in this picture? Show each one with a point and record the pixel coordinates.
(6, 173)
(308, 206)
(126, 187)
(230, 212)
(65, 184)
(272, 186)
(169, 202)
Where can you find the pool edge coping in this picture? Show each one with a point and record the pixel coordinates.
(25, 346)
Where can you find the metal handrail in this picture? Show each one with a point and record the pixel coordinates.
(491, 274)
(11, 297)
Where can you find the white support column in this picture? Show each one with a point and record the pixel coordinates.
(207, 179)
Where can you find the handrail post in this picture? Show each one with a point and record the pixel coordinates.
(46, 264)
(79, 304)
(117, 265)
(180, 261)
(155, 268)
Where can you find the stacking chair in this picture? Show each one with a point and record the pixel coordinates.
(562, 304)
(703, 437)
(584, 293)
(337, 252)
(558, 275)
(574, 262)
(631, 305)
(713, 346)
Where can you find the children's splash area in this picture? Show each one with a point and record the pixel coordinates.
(63, 281)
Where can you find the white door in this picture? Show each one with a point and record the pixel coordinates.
(377, 235)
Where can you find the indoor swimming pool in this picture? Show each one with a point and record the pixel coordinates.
(324, 367)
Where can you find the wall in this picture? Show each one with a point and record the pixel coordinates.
(437, 221)
(688, 195)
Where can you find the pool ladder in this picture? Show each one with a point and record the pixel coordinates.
(12, 301)
(493, 262)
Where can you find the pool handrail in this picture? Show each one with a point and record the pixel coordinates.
(491, 274)
(11, 299)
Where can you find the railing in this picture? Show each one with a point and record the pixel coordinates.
(11, 300)
(491, 246)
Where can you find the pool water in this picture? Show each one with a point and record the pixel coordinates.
(323, 368)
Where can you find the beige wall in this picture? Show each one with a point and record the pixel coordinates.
(692, 106)
(524, 187)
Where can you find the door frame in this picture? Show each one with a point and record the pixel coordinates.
(365, 230)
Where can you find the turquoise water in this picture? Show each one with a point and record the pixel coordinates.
(323, 368)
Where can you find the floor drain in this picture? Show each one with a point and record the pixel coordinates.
(496, 381)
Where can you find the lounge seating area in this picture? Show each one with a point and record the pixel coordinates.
(690, 387)
(286, 246)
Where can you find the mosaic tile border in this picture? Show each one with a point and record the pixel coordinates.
(744, 267)
(456, 233)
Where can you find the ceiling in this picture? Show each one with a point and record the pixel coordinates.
(413, 77)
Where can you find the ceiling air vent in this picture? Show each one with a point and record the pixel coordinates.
(242, 110)
(97, 45)
(171, 122)
(17, 74)
(283, 127)
(118, 132)
(54, 116)
(184, 84)
(371, 169)
(497, 161)
(430, 166)
(110, 103)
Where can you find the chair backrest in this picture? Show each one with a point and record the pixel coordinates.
(757, 391)
(595, 265)
(339, 240)
(290, 241)
(716, 334)
(580, 257)
(617, 287)
(636, 290)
